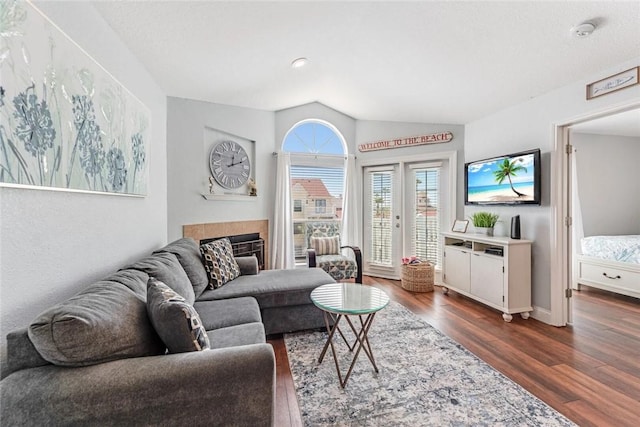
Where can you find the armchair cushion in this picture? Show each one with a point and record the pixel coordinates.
(219, 262)
(174, 319)
(326, 245)
(338, 266)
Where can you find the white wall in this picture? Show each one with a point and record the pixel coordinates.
(608, 183)
(531, 125)
(52, 244)
(187, 164)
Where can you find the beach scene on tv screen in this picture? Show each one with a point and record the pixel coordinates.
(501, 180)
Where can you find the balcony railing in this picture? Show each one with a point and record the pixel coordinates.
(301, 234)
(381, 232)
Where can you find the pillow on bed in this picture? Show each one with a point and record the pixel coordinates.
(219, 262)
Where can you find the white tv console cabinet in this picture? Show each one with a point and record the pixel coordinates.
(502, 282)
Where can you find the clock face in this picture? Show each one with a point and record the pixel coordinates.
(229, 164)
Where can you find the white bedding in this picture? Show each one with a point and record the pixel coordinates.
(616, 248)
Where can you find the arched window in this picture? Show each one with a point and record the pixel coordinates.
(317, 177)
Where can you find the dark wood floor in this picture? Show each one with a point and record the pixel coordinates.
(590, 371)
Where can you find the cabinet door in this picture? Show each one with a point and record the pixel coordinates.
(456, 268)
(487, 278)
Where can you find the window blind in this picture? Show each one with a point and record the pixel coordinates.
(426, 224)
(381, 212)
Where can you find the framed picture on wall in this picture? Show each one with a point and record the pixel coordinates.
(460, 225)
(625, 79)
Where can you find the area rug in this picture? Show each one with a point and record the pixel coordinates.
(425, 379)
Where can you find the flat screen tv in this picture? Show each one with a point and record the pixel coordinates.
(513, 179)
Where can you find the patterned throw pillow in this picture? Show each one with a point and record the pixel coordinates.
(326, 245)
(219, 262)
(174, 319)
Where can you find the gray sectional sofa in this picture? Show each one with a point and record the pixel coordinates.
(96, 358)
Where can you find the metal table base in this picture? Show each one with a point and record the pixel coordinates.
(361, 342)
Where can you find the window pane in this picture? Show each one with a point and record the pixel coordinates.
(313, 137)
(317, 176)
(319, 191)
(381, 217)
(426, 225)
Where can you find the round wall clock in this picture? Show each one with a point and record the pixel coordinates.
(229, 164)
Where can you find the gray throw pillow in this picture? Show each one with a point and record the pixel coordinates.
(219, 262)
(174, 319)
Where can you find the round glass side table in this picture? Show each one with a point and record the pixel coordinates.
(343, 301)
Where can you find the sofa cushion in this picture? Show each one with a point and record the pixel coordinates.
(326, 245)
(106, 321)
(248, 265)
(219, 262)
(273, 288)
(21, 354)
(232, 336)
(174, 319)
(164, 266)
(231, 312)
(188, 254)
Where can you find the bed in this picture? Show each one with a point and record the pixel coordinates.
(611, 263)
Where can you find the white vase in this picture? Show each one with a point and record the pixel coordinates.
(500, 229)
(486, 231)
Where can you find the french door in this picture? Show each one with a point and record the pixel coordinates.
(402, 216)
(382, 223)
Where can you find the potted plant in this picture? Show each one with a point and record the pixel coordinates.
(484, 222)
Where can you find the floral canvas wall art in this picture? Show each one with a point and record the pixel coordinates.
(65, 122)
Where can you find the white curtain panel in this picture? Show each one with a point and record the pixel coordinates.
(282, 250)
(351, 219)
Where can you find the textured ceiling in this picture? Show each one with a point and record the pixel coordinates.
(433, 62)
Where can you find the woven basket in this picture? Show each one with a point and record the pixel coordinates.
(417, 277)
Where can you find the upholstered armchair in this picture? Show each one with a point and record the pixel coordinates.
(325, 251)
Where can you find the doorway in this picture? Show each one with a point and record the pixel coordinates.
(569, 222)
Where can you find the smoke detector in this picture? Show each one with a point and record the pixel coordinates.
(583, 30)
(299, 63)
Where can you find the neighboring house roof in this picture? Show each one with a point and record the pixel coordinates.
(313, 186)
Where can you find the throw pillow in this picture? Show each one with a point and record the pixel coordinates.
(219, 262)
(174, 319)
(326, 245)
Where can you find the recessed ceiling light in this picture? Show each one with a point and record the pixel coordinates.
(583, 30)
(299, 63)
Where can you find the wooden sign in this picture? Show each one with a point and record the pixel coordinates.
(622, 80)
(436, 138)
